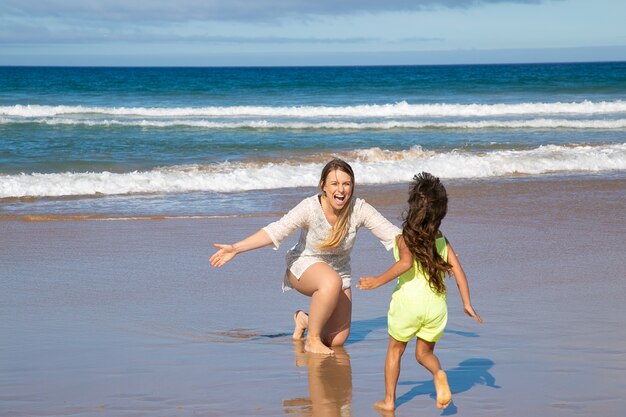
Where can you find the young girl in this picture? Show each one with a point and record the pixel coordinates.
(418, 304)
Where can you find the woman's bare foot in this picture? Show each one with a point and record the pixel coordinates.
(385, 405)
(315, 345)
(444, 396)
(301, 322)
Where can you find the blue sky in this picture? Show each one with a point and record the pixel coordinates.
(309, 32)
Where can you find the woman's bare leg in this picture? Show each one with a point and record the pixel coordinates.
(425, 356)
(395, 349)
(337, 327)
(323, 285)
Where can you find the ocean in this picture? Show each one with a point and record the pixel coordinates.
(119, 142)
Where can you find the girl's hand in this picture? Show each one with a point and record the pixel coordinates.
(368, 283)
(223, 255)
(469, 310)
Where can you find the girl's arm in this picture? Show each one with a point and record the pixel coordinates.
(461, 283)
(403, 264)
(228, 252)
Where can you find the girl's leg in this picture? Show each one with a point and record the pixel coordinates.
(425, 356)
(323, 285)
(392, 373)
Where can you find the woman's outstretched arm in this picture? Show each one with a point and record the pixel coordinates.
(228, 252)
(272, 234)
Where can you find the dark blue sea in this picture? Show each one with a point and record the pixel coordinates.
(217, 141)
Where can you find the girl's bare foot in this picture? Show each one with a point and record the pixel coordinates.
(385, 405)
(444, 396)
(315, 345)
(301, 322)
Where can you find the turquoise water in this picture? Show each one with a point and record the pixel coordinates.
(167, 140)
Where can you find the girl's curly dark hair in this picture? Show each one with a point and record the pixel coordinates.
(428, 205)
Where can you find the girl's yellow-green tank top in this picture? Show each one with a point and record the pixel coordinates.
(414, 283)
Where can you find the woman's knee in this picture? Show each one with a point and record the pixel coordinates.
(340, 338)
(325, 279)
(337, 329)
(331, 285)
(318, 277)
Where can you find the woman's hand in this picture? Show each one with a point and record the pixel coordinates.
(368, 283)
(223, 255)
(469, 310)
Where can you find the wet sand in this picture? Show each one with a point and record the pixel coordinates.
(127, 318)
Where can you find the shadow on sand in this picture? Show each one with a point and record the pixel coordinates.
(462, 378)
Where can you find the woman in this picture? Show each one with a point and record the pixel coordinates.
(319, 265)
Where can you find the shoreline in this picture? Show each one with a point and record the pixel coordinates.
(281, 200)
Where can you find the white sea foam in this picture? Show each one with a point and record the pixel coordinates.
(372, 166)
(400, 109)
(541, 123)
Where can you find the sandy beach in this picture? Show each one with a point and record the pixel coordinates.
(127, 318)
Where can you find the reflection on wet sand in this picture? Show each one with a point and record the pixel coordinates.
(330, 384)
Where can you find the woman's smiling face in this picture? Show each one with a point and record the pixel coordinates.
(337, 188)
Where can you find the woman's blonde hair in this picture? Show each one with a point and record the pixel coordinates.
(341, 227)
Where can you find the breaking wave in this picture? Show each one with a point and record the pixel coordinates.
(372, 166)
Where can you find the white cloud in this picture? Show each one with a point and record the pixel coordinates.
(238, 10)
